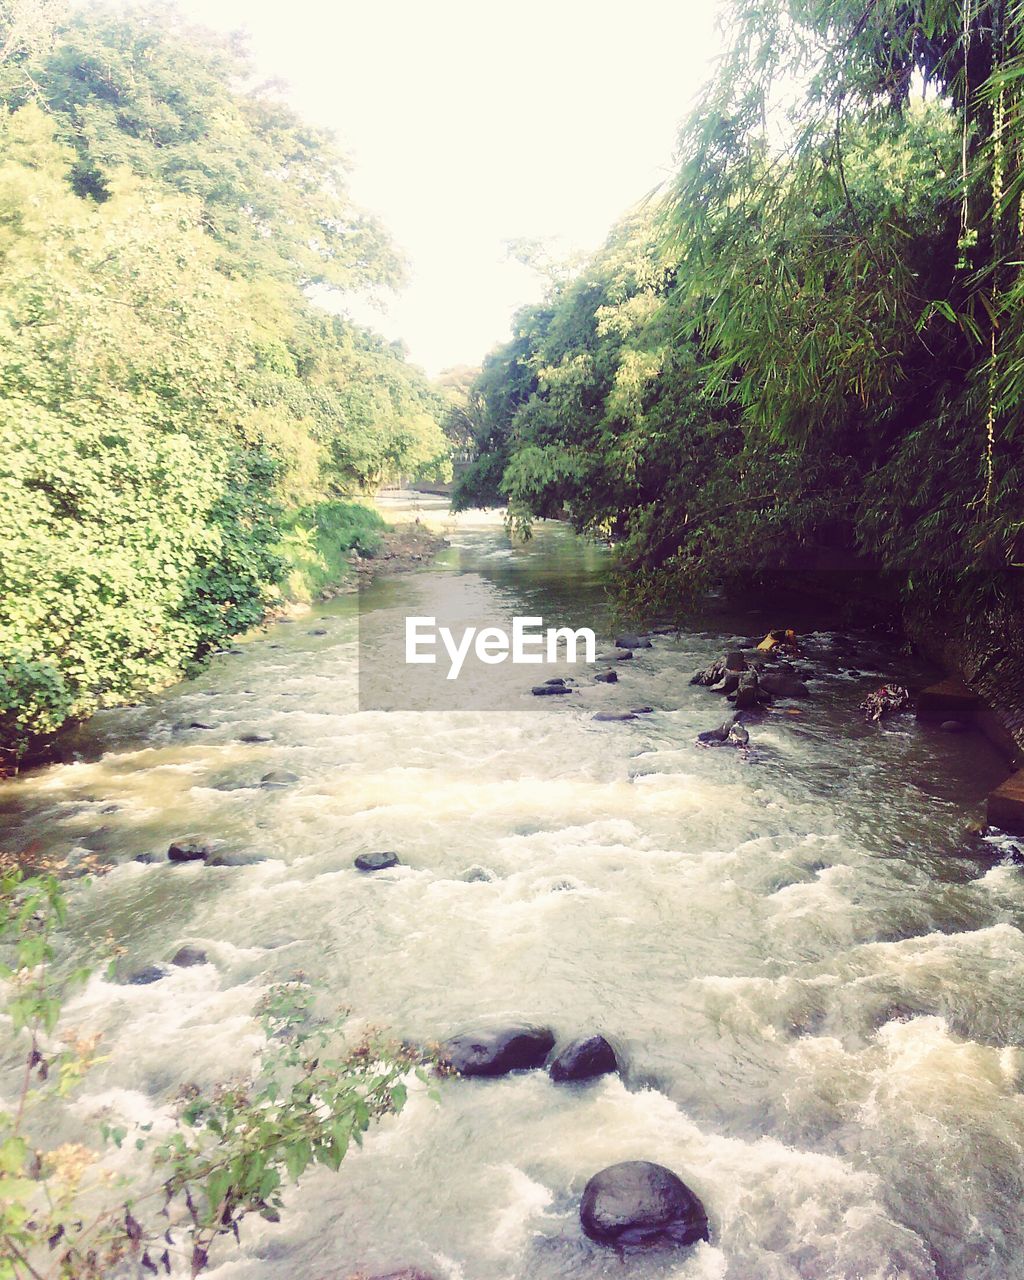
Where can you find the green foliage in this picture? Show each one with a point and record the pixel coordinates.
(808, 352)
(168, 391)
(318, 540)
(230, 1152)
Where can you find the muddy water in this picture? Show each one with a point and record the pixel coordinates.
(817, 1001)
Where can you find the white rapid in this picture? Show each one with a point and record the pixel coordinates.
(817, 1001)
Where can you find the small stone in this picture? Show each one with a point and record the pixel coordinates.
(188, 957)
(607, 677)
(317, 631)
(614, 715)
(147, 858)
(256, 737)
(584, 1060)
(642, 711)
(953, 726)
(188, 850)
(376, 861)
(548, 690)
(555, 680)
(200, 724)
(143, 977)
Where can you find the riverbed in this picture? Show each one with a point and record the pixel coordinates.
(815, 995)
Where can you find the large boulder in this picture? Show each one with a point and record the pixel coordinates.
(783, 686)
(637, 1202)
(496, 1052)
(583, 1060)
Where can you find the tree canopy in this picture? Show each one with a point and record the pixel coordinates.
(806, 351)
(168, 391)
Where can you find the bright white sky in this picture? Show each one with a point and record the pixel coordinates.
(471, 123)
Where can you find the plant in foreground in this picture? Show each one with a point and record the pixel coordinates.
(224, 1154)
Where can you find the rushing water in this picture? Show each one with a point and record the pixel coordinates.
(817, 1001)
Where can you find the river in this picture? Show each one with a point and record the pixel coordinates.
(816, 1000)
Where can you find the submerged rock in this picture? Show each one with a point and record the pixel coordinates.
(630, 641)
(256, 737)
(615, 715)
(546, 690)
(638, 1202)
(235, 858)
(953, 726)
(188, 849)
(379, 861)
(783, 686)
(495, 1053)
(477, 875)
(188, 957)
(409, 1273)
(642, 711)
(607, 677)
(143, 977)
(584, 1060)
(278, 778)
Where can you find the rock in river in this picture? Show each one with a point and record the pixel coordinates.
(278, 778)
(607, 677)
(376, 861)
(547, 690)
(632, 642)
(188, 849)
(583, 1060)
(188, 957)
(615, 715)
(637, 1202)
(782, 686)
(143, 977)
(495, 1053)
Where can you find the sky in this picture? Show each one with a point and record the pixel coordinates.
(470, 124)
